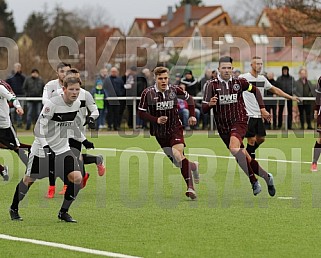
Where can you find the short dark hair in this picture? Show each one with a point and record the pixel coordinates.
(225, 59)
(159, 70)
(72, 71)
(71, 79)
(62, 65)
(256, 57)
(35, 70)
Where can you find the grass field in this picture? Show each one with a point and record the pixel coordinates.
(139, 208)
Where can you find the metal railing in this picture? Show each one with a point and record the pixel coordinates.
(134, 99)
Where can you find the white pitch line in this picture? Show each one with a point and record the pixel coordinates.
(67, 247)
(205, 155)
(286, 198)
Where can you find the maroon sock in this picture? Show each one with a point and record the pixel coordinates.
(258, 170)
(244, 163)
(186, 173)
(1, 168)
(316, 152)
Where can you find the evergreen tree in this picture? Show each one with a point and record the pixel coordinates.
(7, 26)
(37, 26)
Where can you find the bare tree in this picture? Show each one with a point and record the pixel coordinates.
(95, 15)
(246, 12)
(299, 16)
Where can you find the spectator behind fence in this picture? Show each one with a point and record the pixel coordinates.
(183, 111)
(286, 83)
(304, 88)
(130, 84)
(144, 80)
(177, 79)
(100, 96)
(114, 87)
(207, 76)
(192, 85)
(103, 73)
(16, 80)
(33, 87)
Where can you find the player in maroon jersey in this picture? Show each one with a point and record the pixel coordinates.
(317, 116)
(224, 96)
(158, 105)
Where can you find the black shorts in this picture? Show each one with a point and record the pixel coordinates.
(64, 164)
(9, 138)
(255, 127)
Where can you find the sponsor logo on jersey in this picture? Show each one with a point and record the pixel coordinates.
(172, 95)
(236, 87)
(164, 105)
(63, 124)
(47, 110)
(228, 99)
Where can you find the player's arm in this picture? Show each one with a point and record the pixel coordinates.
(11, 97)
(143, 109)
(189, 99)
(45, 94)
(91, 106)
(209, 98)
(317, 98)
(281, 93)
(41, 127)
(82, 138)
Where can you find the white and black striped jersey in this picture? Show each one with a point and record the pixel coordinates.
(55, 125)
(6, 94)
(53, 88)
(252, 107)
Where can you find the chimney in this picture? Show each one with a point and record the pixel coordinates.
(187, 14)
(169, 13)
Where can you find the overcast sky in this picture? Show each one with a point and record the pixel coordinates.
(121, 12)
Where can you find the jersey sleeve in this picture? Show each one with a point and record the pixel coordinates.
(91, 105)
(143, 104)
(45, 93)
(10, 96)
(41, 128)
(267, 84)
(208, 94)
(143, 107)
(181, 94)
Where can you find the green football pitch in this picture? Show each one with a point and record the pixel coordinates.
(138, 208)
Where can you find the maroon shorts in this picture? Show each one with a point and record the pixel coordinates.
(238, 130)
(319, 124)
(175, 138)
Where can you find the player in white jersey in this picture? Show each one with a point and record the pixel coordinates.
(56, 121)
(256, 130)
(87, 103)
(54, 87)
(8, 137)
